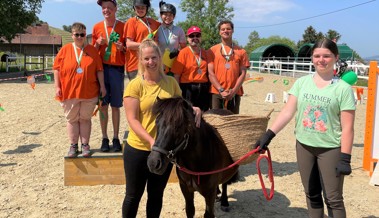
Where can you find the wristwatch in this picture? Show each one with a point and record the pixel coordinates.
(221, 90)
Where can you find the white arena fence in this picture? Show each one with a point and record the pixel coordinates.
(30, 62)
(300, 67)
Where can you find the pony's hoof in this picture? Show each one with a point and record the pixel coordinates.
(225, 209)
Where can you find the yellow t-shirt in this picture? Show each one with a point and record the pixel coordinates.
(147, 95)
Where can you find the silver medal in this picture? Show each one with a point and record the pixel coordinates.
(79, 70)
(227, 65)
(199, 71)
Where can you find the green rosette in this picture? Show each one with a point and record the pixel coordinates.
(114, 37)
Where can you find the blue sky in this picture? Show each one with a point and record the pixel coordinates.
(355, 20)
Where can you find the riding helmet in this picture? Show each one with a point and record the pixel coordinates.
(142, 3)
(168, 8)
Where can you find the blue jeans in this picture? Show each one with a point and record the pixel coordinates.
(137, 176)
(114, 84)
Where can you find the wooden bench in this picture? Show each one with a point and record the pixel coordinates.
(100, 169)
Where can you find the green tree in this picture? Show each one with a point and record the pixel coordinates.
(256, 42)
(16, 15)
(276, 40)
(253, 40)
(310, 36)
(206, 14)
(67, 28)
(125, 10)
(332, 34)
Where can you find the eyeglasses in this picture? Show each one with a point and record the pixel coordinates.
(79, 34)
(194, 36)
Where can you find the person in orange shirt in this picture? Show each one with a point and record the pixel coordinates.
(137, 29)
(107, 37)
(190, 70)
(78, 79)
(227, 70)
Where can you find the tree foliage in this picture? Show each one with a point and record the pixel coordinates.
(206, 14)
(67, 28)
(16, 15)
(125, 10)
(253, 42)
(310, 36)
(332, 34)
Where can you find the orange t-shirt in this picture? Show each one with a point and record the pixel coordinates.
(117, 57)
(137, 30)
(186, 66)
(78, 85)
(228, 77)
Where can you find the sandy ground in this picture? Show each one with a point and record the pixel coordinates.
(33, 142)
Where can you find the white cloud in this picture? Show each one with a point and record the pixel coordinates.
(260, 10)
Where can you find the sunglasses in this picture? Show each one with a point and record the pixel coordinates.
(79, 34)
(194, 36)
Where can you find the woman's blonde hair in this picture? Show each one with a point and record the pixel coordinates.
(149, 43)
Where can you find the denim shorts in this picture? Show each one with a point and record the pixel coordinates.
(114, 84)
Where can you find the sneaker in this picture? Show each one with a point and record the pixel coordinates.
(86, 152)
(116, 145)
(73, 152)
(105, 145)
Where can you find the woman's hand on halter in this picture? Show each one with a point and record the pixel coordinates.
(197, 113)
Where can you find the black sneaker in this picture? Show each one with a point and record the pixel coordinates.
(105, 145)
(116, 145)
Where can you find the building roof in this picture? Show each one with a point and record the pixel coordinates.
(345, 52)
(36, 35)
(272, 50)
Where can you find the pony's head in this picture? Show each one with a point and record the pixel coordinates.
(175, 123)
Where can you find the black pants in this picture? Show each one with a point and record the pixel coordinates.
(198, 94)
(137, 176)
(317, 167)
(233, 105)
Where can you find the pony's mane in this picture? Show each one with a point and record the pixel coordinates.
(174, 111)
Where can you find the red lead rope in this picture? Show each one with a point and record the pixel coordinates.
(270, 172)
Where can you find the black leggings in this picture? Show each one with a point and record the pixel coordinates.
(137, 175)
(198, 94)
(317, 167)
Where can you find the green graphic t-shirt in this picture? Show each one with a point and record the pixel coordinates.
(319, 110)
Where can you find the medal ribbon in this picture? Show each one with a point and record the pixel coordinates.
(151, 35)
(227, 56)
(78, 59)
(112, 38)
(198, 60)
(167, 39)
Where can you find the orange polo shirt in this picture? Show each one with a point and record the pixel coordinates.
(186, 66)
(228, 77)
(117, 57)
(78, 85)
(137, 31)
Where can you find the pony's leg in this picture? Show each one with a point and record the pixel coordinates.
(224, 198)
(210, 197)
(188, 197)
(217, 194)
